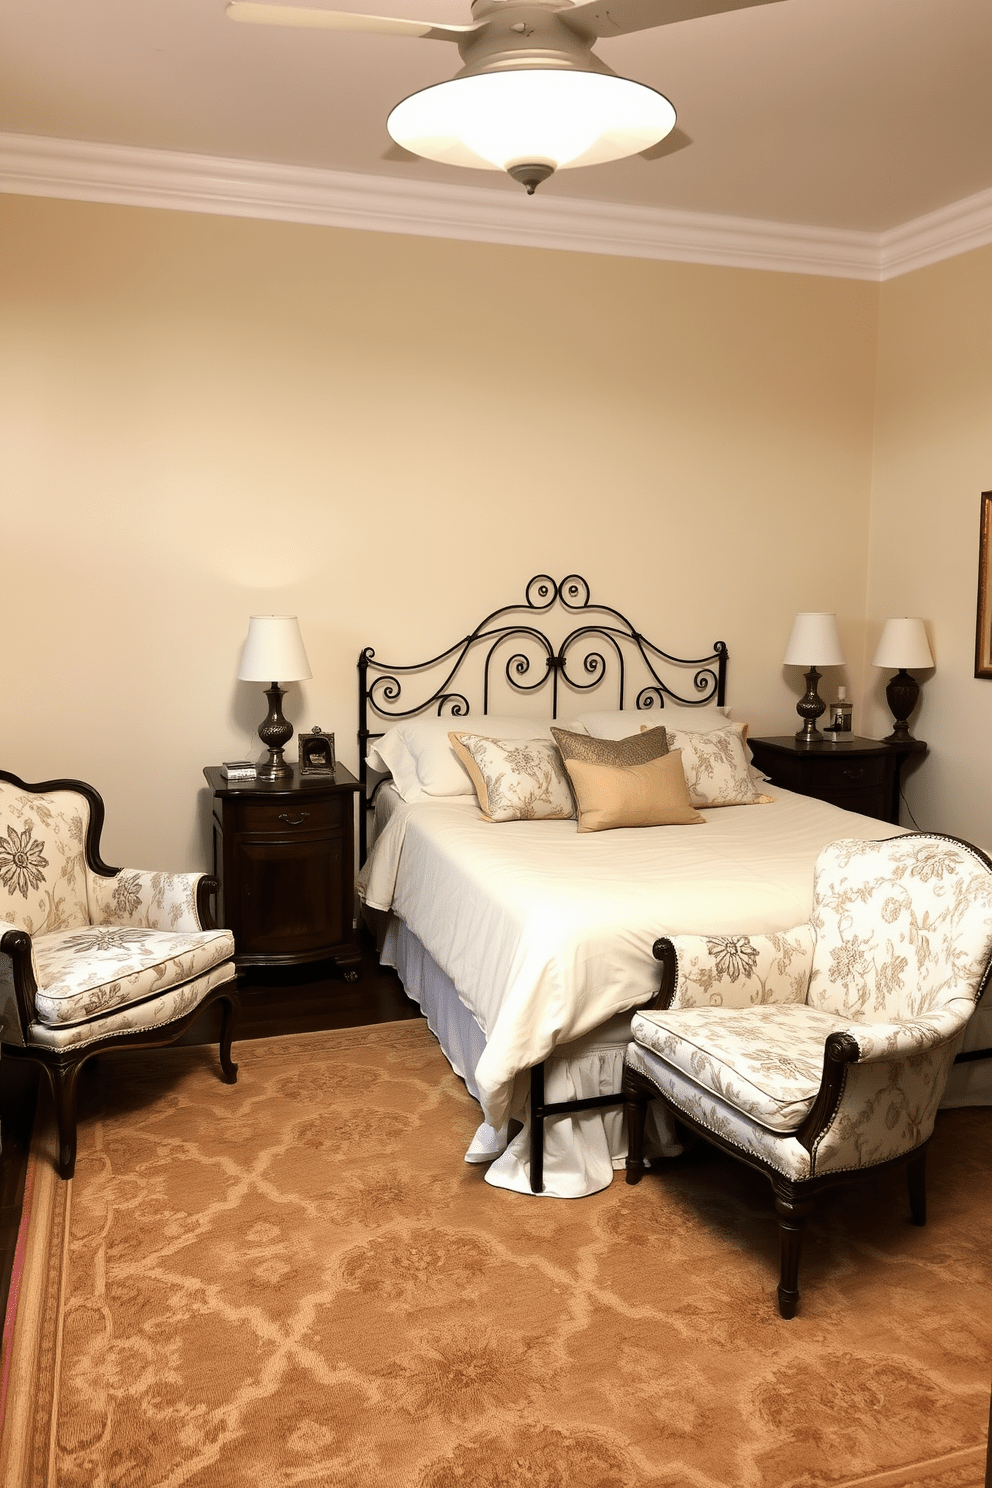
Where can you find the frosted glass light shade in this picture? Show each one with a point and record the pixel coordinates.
(814, 641)
(903, 643)
(274, 651)
(557, 117)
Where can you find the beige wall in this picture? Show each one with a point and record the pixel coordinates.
(933, 460)
(206, 417)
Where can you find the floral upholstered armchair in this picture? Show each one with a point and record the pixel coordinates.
(822, 1052)
(92, 957)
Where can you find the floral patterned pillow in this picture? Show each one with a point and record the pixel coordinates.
(516, 779)
(717, 769)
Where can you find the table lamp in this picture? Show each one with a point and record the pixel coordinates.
(814, 641)
(274, 649)
(903, 644)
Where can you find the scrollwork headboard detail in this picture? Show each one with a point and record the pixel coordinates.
(512, 650)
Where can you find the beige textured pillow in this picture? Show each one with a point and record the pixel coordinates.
(516, 779)
(653, 794)
(649, 744)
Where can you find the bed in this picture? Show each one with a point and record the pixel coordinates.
(526, 941)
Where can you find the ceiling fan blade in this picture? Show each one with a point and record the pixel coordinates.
(618, 17)
(397, 152)
(676, 140)
(253, 14)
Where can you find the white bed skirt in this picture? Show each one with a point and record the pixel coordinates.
(581, 1151)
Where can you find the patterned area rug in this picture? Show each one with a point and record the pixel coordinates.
(298, 1281)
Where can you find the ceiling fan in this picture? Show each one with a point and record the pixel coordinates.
(532, 97)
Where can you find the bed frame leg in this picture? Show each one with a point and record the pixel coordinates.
(537, 1129)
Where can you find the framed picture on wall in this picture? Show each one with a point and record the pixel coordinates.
(983, 633)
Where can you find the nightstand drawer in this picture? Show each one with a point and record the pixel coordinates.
(297, 815)
(850, 774)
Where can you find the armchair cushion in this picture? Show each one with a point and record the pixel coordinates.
(888, 1109)
(781, 1152)
(765, 1061)
(766, 1064)
(90, 971)
(154, 1012)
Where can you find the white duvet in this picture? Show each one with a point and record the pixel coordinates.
(546, 932)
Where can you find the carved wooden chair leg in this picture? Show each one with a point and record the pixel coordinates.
(635, 1107)
(792, 1214)
(64, 1079)
(231, 1006)
(916, 1174)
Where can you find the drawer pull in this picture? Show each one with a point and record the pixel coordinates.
(853, 774)
(293, 821)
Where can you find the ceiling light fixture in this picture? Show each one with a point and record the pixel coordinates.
(544, 109)
(532, 98)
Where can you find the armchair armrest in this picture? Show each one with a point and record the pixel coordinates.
(734, 970)
(151, 901)
(881, 1085)
(887, 1041)
(18, 985)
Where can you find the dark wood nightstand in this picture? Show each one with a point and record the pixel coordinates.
(858, 774)
(284, 853)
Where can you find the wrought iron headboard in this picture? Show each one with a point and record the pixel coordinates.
(542, 664)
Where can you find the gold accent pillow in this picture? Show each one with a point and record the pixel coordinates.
(653, 794)
(637, 749)
(516, 779)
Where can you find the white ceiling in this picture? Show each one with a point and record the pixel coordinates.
(842, 114)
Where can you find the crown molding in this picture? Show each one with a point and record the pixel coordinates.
(942, 234)
(32, 165)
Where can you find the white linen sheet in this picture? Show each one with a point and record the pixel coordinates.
(546, 932)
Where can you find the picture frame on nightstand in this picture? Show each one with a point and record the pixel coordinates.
(983, 629)
(316, 752)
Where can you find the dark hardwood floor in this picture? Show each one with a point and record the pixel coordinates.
(298, 1000)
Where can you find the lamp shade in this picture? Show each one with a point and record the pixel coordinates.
(814, 641)
(557, 117)
(903, 643)
(274, 651)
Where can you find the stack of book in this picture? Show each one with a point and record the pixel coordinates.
(238, 772)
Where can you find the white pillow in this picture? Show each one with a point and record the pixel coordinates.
(716, 765)
(621, 723)
(419, 756)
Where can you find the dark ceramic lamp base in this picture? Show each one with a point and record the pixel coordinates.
(902, 695)
(810, 707)
(275, 733)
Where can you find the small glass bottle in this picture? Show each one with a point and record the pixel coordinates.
(840, 714)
